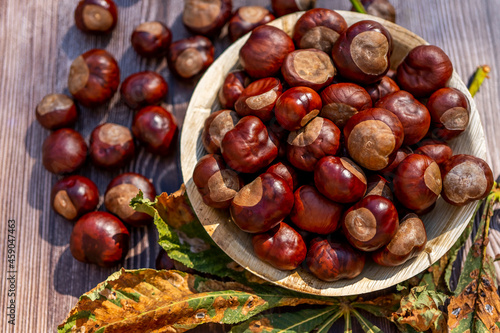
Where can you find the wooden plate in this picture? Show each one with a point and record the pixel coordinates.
(444, 224)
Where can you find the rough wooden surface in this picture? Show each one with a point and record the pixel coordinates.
(37, 45)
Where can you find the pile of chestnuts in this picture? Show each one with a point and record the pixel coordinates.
(329, 158)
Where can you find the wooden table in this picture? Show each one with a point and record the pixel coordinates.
(38, 43)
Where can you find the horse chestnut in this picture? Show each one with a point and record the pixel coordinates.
(284, 7)
(439, 151)
(74, 196)
(155, 128)
(96, 16)
(382, 88)
(309, 68)
(388, 171)
(449, 109)
(247, 18)
(189, 57)
(111, 146)
(287, 172)
(143, 89)
(377, 185)
(64, 151)
(234, 84)
(216, 126)
(259, 98)
(296, 107)
(206, 17)
(56, 111)
(151, 39)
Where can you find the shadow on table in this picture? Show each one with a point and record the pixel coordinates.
(126, 3)
(75, 42)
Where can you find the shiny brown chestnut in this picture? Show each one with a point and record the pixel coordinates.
(313, 212)
(362, 54)
(264, 52)
(99, 238)
(296, 107)
(56, 111)
(247, 18)
(284, 7)
(206, 17)
(306, 146)
(143, 89)
(425, 69)
(450, 111)
(234, 84)
(372, 138)
(216, 126)
(378, 185)
(379, 8)
(319, 28)
(190, 57)
(371, 223)
(121, 190)
(343, 100)
(332, 261)
(412, 114)
(262, 204)
(309, 68)
(287, 172)
(417, 182)
(340, 179)
(155, 128)
(96, 16)
(388, 171)
(94, 77)
(151, 39)
(64, 151)
(111, 146)
(465, 179)
(281, 247)
(382, 88)
(408, 242)
(247, 147)
(438, 150)
(259, 98)
(73, 196)
(216, 183)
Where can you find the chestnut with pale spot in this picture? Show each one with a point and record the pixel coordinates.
(206, 17)
(284, 7)
(262, 204)
(465, 179)
(232, 88)
(111, 146)
(259, 98)
(215, 127)
(187, 58)
(371, 223)
(340, 179)
(73, 196)
(155, 128)
(151, 39)
(450, 112)
(121, 190)
(216, 183)
(247, 18)
(417, 182)
(334, 260)
(143, 89)
(56, 111)
(378, 185)
(296, 107)
(64, 151)
(282, 247)
(96, 16)
(438, 150)
(287, 172)
(379, 8)
(382, 88)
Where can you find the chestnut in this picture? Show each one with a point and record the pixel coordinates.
(382, 88)
(306, 146)
(413, 115)
(449, 109)
(189, 57)
(296, 107)
(465, 178)
(281, 247)
(73, 196)
(287, 172)
(99, 238)
(378, 185)
(151, 39)
(372, 137)
(96, 16)
(217, 184)
(143, 88)
(264, 52)
(371, 223)
(319, 28)
(332, 261)
(94, 77)
(216, 126)
(64, 151)
(247, 147)
(343, 100)
(309, 68)
(362, 54)
(155, 128)
(313, 212)
(438, 150)
(262, 204)
(339, 179)
(206, 17)
(259, 98)
(111, 145)
(56, 111)
(121, 190)
(234, 84)
(379, 8)
(247, 18)
(284, 7)
(425, 69)
(417, 182)
(388, 171)
(391, 74)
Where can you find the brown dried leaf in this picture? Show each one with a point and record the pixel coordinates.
(175, 208)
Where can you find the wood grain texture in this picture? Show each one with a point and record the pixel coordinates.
(39, 42)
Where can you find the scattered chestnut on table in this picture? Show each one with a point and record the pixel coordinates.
(56, 111)
(450, 111)
(155, 128)
(143, 89)
(378, 185)
(234, 84)
(287, 172)
(111, 145)
(259, 98)
(284, 7)
(206, 17)
(190, 57)
(215, 127)
(151, 39)
(296, 107)
(94, 77)
(438, 150)
(96, 16)
(73, 196)
(99, 238)
(379, 8)
(309, 68)
(64, 151)
(382, 88)
(247, 18)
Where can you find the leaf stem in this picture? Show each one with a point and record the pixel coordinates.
(358, 6)
(481, 74)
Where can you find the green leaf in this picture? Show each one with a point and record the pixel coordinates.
(382, 306)
(347, 321)
(366, 325)
(327, 324)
